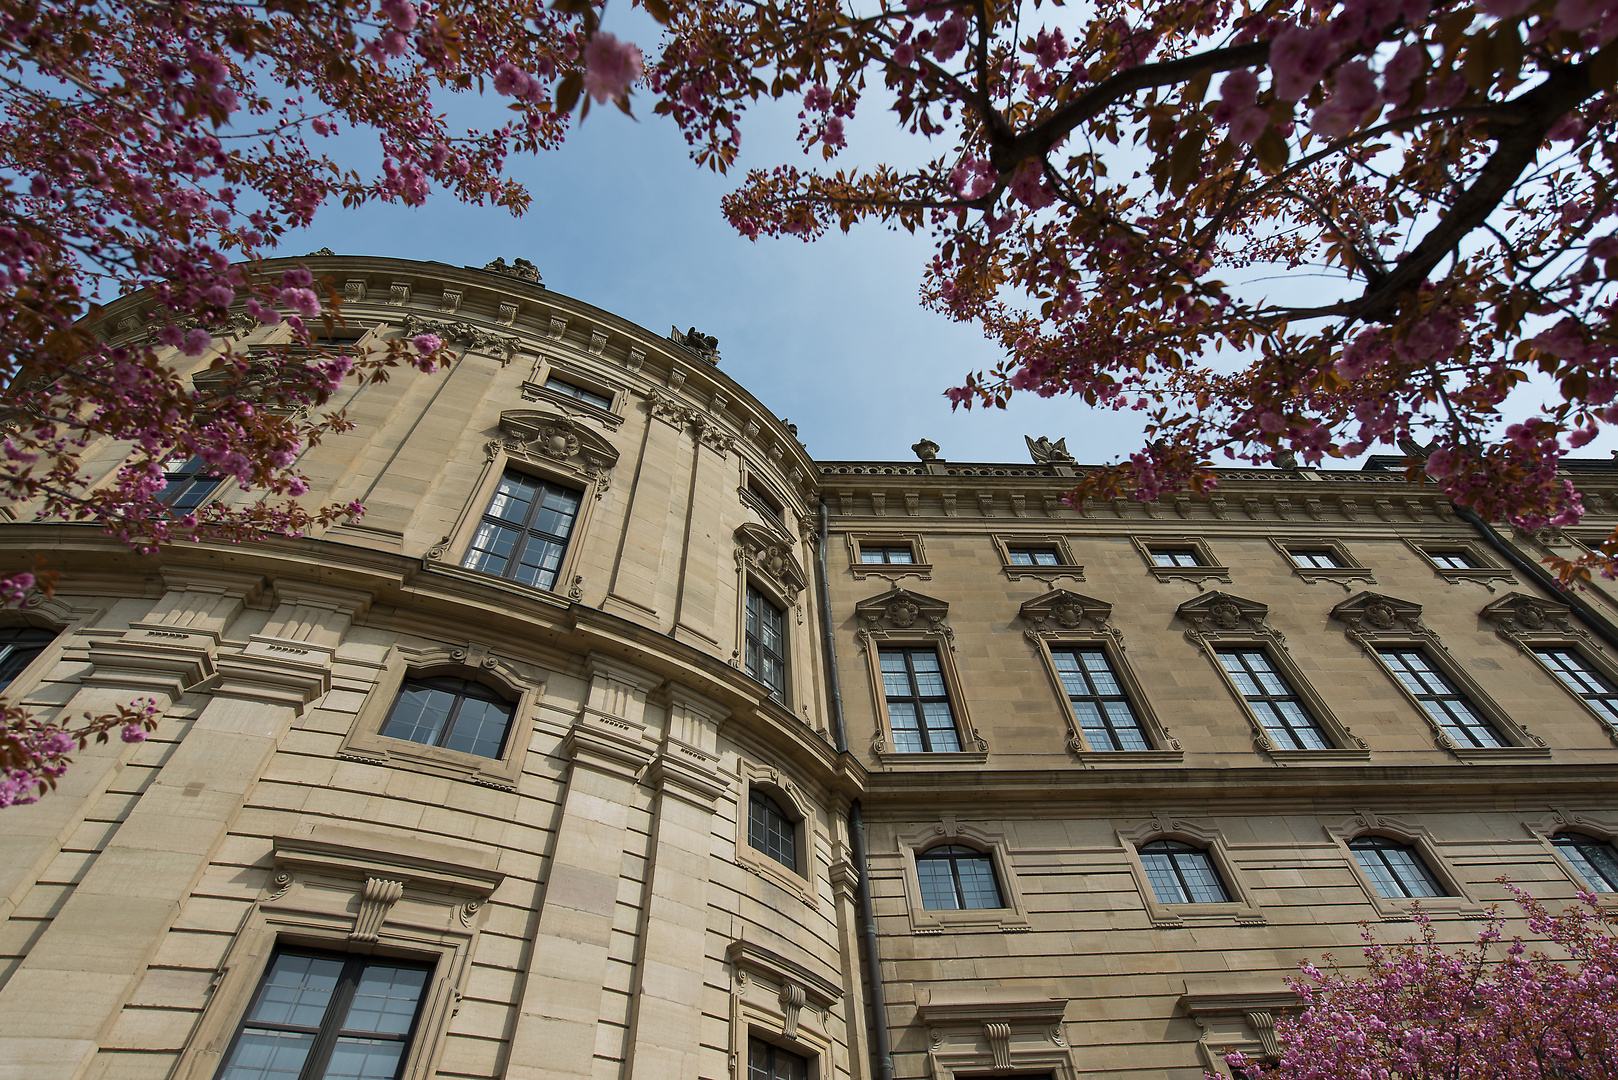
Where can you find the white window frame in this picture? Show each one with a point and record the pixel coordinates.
(919, 568)
(901, 619)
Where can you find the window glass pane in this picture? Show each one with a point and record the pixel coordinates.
(385, 1000)
(937, 886)
(590, 397)
(524, 531)
(1277, 707)
(419, 714)
(1595, 861)
(769, 830)
(1182, 874)
(268, 1055)
(364, 1059)
(869, 556)
(480, 727)
(1396, 870)
(21, 646)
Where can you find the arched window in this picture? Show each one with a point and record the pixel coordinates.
(771, 831)
(456, 714)
(954, 877)
(1397, 870)
(1595, 860)
(1182, 874)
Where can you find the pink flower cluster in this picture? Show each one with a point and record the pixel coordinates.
(610, 67)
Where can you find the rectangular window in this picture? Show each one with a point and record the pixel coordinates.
(1098, 700)
(1447, 706)
(322, 1015)
(770, 830)
(524, 532)
(766, 1061)
(1279, 710)
(918, 702)
(1034, 556)
(766, 644)
(453, 713)
(766, 503)
(1452, 560)
(1175, 557)
(589, 397)
(190, 482)
(1315, 559)
(1577, 675)
(18, 648)
(887, 553)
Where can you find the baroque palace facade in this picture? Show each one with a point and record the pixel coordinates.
(622, 738)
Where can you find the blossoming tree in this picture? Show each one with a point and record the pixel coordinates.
(1123, 192)
(165, 147)
(1490, 1011)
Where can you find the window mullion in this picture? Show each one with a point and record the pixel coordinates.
(314, 1068)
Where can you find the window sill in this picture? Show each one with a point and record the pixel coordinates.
(1337, 574)
(435, 760)
(1168, 916)
(761, 865)
(994, 920)
(1196, 574)
(1129, 759)
(892, 571)
(947, 760)
(1044, 573)
(1479, 755)
(1318, 757)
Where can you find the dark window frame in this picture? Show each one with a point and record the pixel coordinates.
(1584, 681)
(1266, 705)
(19, 647)
(778, 1063)
(954, 854)
(1033, 555)
(1099, 698)
(884, 553)
(479, 559)
(771, 830)
(760, 611)
(1396, 871)
(190, 486)
(1308, 558)
(1175, 557)
(1180, 855)
(586, 394)
(329, 1031)
(1387, 653)
(1584, 845)
(463, 690)
(917, 700)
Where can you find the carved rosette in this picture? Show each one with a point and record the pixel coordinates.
(1367, 615)
(1217, 614)
(902, 612)
(761, 553)
(1517, 616)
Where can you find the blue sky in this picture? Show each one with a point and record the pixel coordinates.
(830, 335)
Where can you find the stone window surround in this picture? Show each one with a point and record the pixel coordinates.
(1049, 617)
(792, 799)
(754, 477)
(920, 623)
(373, 892)
(972, 1033)
(1485, 567)
(534, 389)
(782, 1002)
(1418, 837)
(1375, 622)
(364, 741)
(591, 477)
(1562, 821)
(1243, 907)
(1211, 570)
(1348, 569)
(1067, 566)
(784, 589)
(920, 568)
(1531, 622)
(1211, 636)
(991, 842)
(41, 612)
(1235, 1014)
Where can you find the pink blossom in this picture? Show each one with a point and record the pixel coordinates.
(427, 343)
(1240, 87)
(610, 67)
(1401, 71)
(818, 98)
(1298, 58)
(1248, 124)
(972, 178)
(1569, 128)
(1028, 186)
(196, 342)
(831, 132)
(951, 38)
(401, 13)
(1050, 47)
(132, 733)
(303, 301)
(1580, 436)
(905, 54)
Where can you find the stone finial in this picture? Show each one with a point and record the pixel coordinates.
(926, 450)
(521, 269)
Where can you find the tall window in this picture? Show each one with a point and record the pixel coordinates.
(1595, 860)
(524, 531)
(1278, 708)
(770, 830)
(589, 397)
(766, 644)
(1034, 556)
(766, 1061)
(887, 553)
(918, 702)
(452, 713)
(18, 648)
(1315, 559)
(189, 484)
(954, 877)
(1395, 869)
(1182, 874)
(1447, 706)
(319, 1015)
(1098, 700)
(1577, 675)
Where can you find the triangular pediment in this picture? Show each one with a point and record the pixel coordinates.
(1518, 612)
(1063, 609)
(1223, 611)
(1376, 611)
(767, 554)
(555, 435)
(901, 609)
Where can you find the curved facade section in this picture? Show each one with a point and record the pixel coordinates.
(537, 770)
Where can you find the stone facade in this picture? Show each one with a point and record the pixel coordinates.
(656, 868)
